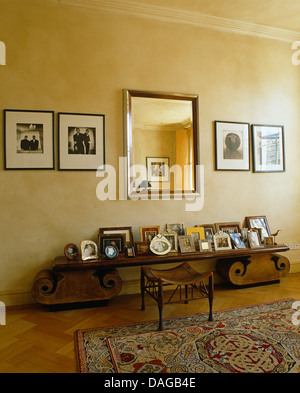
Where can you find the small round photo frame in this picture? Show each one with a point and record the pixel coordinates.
(71, 251)
(111, 251)
(160, 245)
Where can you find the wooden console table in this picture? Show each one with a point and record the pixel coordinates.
(93, 280)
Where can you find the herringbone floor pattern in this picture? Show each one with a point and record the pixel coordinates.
(35, 340)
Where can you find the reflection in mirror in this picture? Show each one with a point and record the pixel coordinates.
(161, 132)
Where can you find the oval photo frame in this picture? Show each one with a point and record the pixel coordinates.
(111, 251)
(160, 245)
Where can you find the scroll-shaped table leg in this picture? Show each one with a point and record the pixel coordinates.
(75, 286)
(44, 285)
(253, 269)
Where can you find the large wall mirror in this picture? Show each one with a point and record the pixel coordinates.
(161, 142)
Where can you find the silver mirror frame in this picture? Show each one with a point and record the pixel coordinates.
(127, 101)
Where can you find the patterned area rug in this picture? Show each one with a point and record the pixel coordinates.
(256, 339)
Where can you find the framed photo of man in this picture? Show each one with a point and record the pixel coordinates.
(81, 141)
(28, 139)
(232, 146)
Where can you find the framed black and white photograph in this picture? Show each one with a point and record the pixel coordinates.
(268, 148)
(160, 245)
(158, 169)
(28, 139)
(232, 146)
(81, 141)
(172, 238)
(177, 227)
(260, 223)
(127, 231)
(222, 241)
(254, 240)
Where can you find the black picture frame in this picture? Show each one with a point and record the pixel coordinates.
(81, 141)
(232, 146)
(268, 148)
(28, 139)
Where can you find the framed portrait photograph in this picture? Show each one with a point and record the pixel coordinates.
(89, 250)
(160, 245)
(177, 227)
(28, 139)
(158, 169)
(147, 233)
(222, 241)
(127, 231)
(81, 141)
(117, 240)
(172, 238)
(260, 223)
(254, 240)
(244, 236)
(268, 148)
(71, 251)
(228, 227)
(186, 244)
(232, 146)
(130, 252)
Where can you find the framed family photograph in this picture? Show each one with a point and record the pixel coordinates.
(147, 233)
(254, 240)
(117, 240)
(177, 227)
(186, 244)
(28, 139)
(158, 169)
(127, 231)
(71, 251)
(81, 141)
(222, 241)
(232, 146)
(160, 245)
(228, 227)
(172, 237)
(89, 250)
(260, 223)
(268, 148)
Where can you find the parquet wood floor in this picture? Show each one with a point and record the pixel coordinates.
(35, 340)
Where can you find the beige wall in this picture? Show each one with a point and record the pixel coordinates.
(79, 60)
